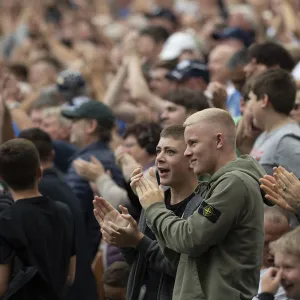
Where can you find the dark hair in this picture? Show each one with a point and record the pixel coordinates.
(174, 131)
(117, 274)
(158, 33)
(41, 140)
(51, 61)
(147, 135)
(271, 54)
(190, 99)
(19, 162)
(247, 89)
(49, 97)
(280, 88)
(239, 58)
(170, 65)
(20, 71)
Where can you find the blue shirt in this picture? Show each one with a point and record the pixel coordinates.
(233, 103)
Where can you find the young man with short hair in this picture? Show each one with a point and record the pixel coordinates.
(217, 256)
(37, 230)
(264, 56)
(180, 104)
(150, 269)
(272, 98)
(287, 270)
(52, 185)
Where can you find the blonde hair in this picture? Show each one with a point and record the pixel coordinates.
(218, 119)
(288, 243)
(56, 112)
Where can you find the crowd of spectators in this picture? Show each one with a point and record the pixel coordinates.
(98, 87)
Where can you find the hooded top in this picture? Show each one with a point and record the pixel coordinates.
(221, 243)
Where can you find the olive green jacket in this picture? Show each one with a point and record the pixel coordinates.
(221, 243)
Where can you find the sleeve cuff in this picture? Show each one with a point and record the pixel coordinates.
(103, 179)
(144, 244)
(266, 296)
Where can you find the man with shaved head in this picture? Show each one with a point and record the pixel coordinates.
(221, 243)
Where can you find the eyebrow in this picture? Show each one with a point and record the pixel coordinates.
(166, 148)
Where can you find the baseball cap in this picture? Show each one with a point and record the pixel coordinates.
(246, 37)
(187, 69)
(70, 84)
(176, 44)
(161, 12)
(91, 110)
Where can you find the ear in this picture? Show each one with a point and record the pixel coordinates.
(39, 173)
(91, 126)
(264, 101)
(65, 133)
(219, 140)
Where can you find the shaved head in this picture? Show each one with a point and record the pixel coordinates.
(218, 120)
(210, 137)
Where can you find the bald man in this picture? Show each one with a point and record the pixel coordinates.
(218, 60)
(221, 243)
(219, 71)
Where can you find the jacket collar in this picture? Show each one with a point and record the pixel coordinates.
(94, 146)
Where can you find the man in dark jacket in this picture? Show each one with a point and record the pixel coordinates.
(53, 186)
(151, 273)
(91, 131)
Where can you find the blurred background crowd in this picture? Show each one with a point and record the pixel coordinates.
(103, 77)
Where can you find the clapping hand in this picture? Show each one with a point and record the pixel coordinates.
(119, 230)
(283, 189)
(105, 213)
(268, 185)
(147, 190)
(127, 163)
(289, 187)
(91, 170)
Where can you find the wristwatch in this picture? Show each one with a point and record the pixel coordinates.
(12, 105)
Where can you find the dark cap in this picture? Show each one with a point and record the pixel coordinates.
(162, 13)
(69, 80)
(246, 37)
(70, 85)
(93, 110)
(188, 69)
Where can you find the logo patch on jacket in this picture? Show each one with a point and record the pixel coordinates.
(209, 212)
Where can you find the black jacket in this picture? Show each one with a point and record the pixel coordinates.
(84, 193)
(149, 255)
(53, 186)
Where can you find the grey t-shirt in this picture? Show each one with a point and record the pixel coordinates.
(280, 147)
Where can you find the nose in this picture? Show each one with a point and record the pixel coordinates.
(164, 115)
(187, 152)
(160, 157)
